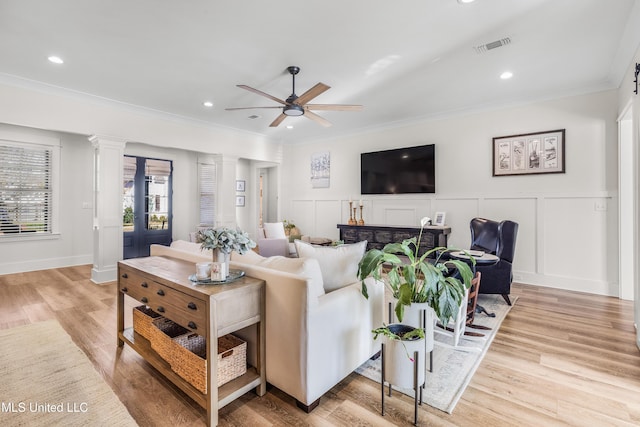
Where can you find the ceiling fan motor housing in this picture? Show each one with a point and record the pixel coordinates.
(293, 110)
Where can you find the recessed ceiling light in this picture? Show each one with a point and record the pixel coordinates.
(506, 75)
(55, 60)
(289, 127)
(208, 104)
(465, 1)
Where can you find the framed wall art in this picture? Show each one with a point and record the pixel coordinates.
(529, 153)
(320, 170)
(439, 219)
(240, 201)
(240, 183)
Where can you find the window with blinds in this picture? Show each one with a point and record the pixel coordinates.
(25, 189)
(207, 183)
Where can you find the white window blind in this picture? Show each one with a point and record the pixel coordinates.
(25, 189)
(207, 183)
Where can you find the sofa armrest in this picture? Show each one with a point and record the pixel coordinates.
(161, 250)
(340, 337)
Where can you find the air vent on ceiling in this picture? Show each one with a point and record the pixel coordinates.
(493, 45)
(253, 117)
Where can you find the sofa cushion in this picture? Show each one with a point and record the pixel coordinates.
(183, 245)
(338, 264)
(305, 267)
(274, 230)
(250, 257)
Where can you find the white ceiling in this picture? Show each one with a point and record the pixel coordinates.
(403, 60)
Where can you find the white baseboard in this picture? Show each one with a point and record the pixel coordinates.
(45, 264)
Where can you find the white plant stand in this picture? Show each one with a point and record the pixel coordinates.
(400, 371)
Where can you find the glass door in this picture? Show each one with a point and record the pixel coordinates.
(147, 189)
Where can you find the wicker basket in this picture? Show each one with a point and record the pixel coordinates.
(189, 359)
(143, 317)
(161, 336)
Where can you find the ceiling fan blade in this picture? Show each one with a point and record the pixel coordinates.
(312, 93)
(333, 107)
(250, 108)
(316, 118)
(278, 120)
(259, 92)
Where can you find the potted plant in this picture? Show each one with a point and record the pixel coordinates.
(288, 227)
(417, 279)
(401, 343)
(222, 241)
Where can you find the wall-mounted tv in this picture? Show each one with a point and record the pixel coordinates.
(399, 171)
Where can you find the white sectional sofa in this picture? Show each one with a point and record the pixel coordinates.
(315, 337)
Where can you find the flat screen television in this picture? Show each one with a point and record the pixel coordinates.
(399, 171)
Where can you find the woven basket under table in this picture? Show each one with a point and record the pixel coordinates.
(161, 336)
(189, 359)
(143, 317)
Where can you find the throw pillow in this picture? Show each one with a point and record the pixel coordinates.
(274, 230)
(339, 264)
(306, 267)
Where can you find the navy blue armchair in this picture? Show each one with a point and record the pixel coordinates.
(497, 238)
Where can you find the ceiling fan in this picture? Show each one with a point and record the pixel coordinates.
(296, 105)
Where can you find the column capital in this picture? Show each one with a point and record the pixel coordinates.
(99, 140)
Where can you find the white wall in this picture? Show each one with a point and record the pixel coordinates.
(563, 240)
(74, 244)
(74, 117)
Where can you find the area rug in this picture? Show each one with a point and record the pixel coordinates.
(453, 366)
(45, 379)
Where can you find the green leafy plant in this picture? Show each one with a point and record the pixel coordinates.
(288, 225)
(413, 334)
(418, 279)
(225, 239)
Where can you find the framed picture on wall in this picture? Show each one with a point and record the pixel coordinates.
(439, 219)
(529, 153)
(240, 184)
(240, 201)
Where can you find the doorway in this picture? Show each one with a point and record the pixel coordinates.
(147, 206)
(267, 195)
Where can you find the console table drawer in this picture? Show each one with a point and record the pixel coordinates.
(183, 309)
(134, 285)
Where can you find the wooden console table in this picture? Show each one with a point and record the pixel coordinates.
(377, 236)
(212, 311)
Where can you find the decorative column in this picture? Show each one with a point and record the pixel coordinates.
(107, 207)
(226, 194)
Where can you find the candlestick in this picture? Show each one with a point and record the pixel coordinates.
(352, 219)
(361, 221)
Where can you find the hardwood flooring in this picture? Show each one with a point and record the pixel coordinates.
(560, 358)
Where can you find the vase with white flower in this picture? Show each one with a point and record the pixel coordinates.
(222, 241)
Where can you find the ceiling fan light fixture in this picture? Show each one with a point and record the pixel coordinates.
(293, 110)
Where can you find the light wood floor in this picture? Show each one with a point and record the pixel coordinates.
(560, 358)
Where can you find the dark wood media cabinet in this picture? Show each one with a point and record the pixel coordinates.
(377, 236)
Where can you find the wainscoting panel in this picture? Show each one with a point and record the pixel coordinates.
(459, 212)
(328, 215)
(524, 212)
(400, 211)
(575, 239)
(302, 215)
(564, 241)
